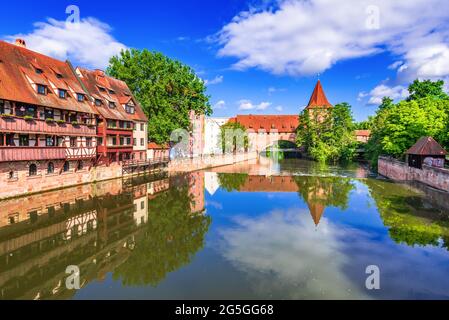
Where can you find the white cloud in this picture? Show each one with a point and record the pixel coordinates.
(378, 93)
(220, 105)
(279, 108)
(88, 42)
(308, 37)
(216, 80)
(272, 90)
(248, 105)
(395, 65)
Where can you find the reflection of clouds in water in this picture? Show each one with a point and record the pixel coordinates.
(285, 255)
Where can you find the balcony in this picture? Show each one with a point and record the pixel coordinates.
(31, 153)
(16, 124)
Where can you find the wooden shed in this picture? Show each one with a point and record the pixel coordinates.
(426, 151)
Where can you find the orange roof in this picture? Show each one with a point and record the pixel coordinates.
(318, 99)
(363, 133)
(18, 71)
(155, 146)
(427, 146)
(280, 123)
(108, 89)
(316, 211)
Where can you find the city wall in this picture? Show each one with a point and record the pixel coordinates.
(399, 171)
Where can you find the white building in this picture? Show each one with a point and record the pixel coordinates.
(212, 133)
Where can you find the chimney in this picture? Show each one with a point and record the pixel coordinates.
(21, 43)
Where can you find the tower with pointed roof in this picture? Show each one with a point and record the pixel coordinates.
(318, 106)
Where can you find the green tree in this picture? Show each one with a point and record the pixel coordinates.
(167, 90)
(397, 127)
(328, 136)
(169, 241)
(233, 138)
(427, 88)
(232, 181)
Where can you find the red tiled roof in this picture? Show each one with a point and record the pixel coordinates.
(318, 99)
(363, 133)
(155, 146)
(18, 67)
(280, 123)
(121, 95)
(427, 146)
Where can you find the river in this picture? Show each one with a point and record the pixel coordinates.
(269, 230)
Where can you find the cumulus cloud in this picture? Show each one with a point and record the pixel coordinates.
(216, 80)
(285, 254)
(248, 105)
(378, 93)
(220, 105)
(279, 108)
(301, 38)
(88, 42)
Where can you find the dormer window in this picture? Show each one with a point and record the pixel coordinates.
(59, 76)
(111, 92)
(130, 109)
(102, 89)
(98, 102)
(80, 97)
(62, 93)
(39, 71)
(41, 89)
(111, 105)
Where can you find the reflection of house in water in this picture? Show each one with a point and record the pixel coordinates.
(91, 226)
(287, 184)
(196, 191)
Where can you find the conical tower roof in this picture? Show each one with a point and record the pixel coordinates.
(318, 99)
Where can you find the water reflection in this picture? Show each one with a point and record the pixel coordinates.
(122, 226)
(285, 230)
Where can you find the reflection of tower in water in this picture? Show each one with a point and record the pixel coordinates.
(196, 191)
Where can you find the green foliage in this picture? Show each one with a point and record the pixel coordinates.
(397, 127)
(426, 89)
(167, 90)
(170, 239)
(232, 181)
(326, 191)
(328, 136)
(233, 138)
(364, 125)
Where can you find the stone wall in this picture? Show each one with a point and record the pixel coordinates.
(400, 171)
(205, 162)
(21, 183)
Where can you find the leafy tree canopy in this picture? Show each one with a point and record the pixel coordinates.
(427, 88)
(167, 90)
(328, 135)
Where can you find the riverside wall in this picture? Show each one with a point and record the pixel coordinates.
(437, 178)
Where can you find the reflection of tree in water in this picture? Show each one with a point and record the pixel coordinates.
(232, 181)
(410, 220)
(326, 191)
(170, 239)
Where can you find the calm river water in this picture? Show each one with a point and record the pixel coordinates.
(287, 230)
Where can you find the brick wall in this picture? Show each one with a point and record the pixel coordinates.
(399, 171)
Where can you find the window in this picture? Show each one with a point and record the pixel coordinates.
(80, 165)
(50, 141)
(130, 109)
(114, 141)
(111, 105)
(11, 175)
(135, 142)
(111, 91)
(50, 168)
(41, 89)
(122, 141)
(102, 89)
(24, 141)
(142, 127)
(32, 170)
(66, 167)
(98, 102)
(49, 114)
(2, 106)
(142, 205)
(112, 124)
(88, 142)
(100, 141)
(39, 71)
(80, 97)
(59, 76)
(142, 142)
(73, 142)
(128, 141)
(62, 94)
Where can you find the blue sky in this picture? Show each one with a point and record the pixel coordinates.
(260, 57)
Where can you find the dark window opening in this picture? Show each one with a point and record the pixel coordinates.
(50, 168)
(32, 170)
(41, 89)
(66, 167)
(62, 94)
